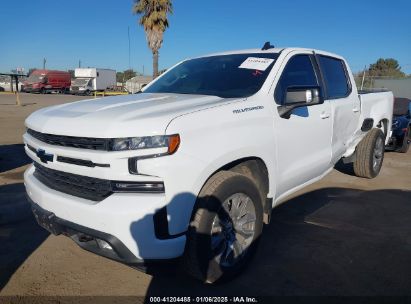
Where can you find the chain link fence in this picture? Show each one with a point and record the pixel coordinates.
(401, 87)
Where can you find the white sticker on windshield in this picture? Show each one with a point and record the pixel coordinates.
(255, 63)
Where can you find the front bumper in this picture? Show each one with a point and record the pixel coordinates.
(77, 91)
(121, 218)
(85, 237)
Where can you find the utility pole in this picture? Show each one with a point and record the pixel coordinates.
(44, 63)
(79, 63)
(128, 34)
(363, 78)
(143, 69)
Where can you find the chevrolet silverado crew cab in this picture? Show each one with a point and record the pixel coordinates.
(190, 168)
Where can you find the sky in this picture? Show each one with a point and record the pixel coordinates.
(95, 31)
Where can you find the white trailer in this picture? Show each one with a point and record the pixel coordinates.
(88, 80)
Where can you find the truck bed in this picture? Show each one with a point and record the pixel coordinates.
(374, 105)
(370, 91)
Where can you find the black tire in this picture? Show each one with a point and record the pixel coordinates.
(405, 142)
(42, 91)
(370, 154)
(199, 259)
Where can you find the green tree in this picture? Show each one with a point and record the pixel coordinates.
(385, 67)
(125, 75)
(71, 73)
(154, 20)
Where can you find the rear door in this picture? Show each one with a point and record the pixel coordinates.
(345, 104)
(303, 141)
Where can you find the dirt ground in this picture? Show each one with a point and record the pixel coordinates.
(340, 236)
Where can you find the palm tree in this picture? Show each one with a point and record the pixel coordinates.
(154, 20)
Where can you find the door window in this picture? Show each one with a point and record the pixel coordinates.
(299, 71)
(335, 77)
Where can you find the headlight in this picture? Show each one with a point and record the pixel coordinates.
(171, 142)
(147, 142)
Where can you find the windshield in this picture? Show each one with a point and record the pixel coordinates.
(80, 82)
(227, 76)
(35, 78)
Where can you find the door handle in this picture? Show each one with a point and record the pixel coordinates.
(324, 115)
(355, 110)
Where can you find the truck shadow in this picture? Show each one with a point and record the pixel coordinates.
(331, 241)
(12, 157)
(345, 168)
(20, 234)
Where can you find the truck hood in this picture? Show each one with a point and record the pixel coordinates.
(141, 114)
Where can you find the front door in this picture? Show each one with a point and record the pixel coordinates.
(304, 139)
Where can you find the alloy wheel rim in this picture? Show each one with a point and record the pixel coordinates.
(233, 229)
(378, 153)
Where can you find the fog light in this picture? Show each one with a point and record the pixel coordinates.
(103, 244)
(149, 187)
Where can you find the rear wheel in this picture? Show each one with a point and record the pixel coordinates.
(370, 154)
(225, 227)
(406, 141)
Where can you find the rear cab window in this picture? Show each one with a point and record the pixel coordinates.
(335, 77)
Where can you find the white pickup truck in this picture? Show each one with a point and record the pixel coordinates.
(190, 168)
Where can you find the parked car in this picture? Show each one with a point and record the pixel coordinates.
(191, 167)
(89, 80)
(401, 126)
(43, 81)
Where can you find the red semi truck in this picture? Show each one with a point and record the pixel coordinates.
(44, 81)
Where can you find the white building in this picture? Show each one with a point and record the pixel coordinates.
(136, 83)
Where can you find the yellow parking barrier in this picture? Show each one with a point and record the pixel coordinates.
(18, 102)
(103, 93)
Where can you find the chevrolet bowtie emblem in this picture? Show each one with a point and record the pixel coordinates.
(44, 157)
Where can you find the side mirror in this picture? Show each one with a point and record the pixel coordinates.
(300, 96)
(305, 95)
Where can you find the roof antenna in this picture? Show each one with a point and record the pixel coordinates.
(267, 46)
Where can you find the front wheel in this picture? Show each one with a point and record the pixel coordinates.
(370, 154)
(225, 227)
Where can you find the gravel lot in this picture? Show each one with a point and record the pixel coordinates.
(340, 236)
